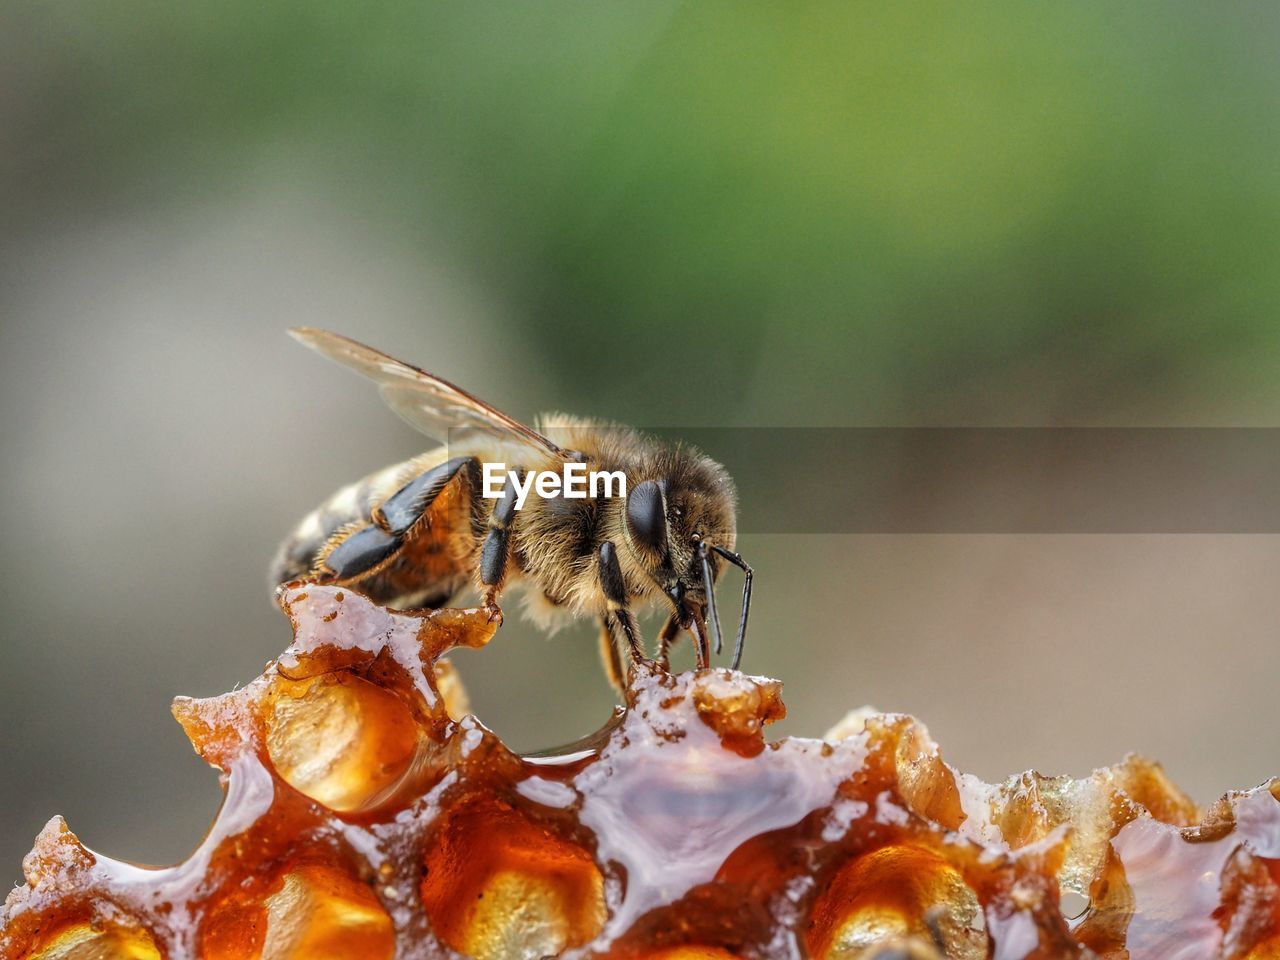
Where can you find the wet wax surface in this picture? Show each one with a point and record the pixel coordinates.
(367, 816)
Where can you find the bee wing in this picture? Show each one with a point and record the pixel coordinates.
(430, 404)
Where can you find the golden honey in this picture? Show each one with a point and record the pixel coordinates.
(366, 815)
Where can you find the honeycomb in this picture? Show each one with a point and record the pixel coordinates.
(367, 815)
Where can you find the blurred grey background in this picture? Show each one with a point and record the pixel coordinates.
(826, 215)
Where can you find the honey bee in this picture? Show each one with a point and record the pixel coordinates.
(414, 534)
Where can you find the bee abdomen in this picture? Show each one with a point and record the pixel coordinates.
(353, 504)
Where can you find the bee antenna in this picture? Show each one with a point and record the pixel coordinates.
(709, 587)
(742, 565)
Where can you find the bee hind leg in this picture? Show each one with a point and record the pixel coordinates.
(359, 552)
(404, 508)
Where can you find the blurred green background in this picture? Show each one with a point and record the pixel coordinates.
(670, 214)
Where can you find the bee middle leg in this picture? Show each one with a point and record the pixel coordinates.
(497, 547)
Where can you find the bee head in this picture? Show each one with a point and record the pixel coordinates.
(680, 523)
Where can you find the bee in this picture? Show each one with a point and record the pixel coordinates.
(416, 533)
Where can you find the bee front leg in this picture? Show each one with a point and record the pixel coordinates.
(622, 621)
(611, 656)
(497, 547)
(615, 592)
(665, 639)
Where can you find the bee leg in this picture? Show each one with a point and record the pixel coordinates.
(359, 552)
(665, 639)
(626, 623)
(497, 546)
(612, 657)
(615, 592)
(489, 603)
(493, 565)
(400, 511)
(356, 551)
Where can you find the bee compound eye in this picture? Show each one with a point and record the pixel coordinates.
(647, 515)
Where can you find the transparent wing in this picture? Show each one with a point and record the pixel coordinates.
(430, 404)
